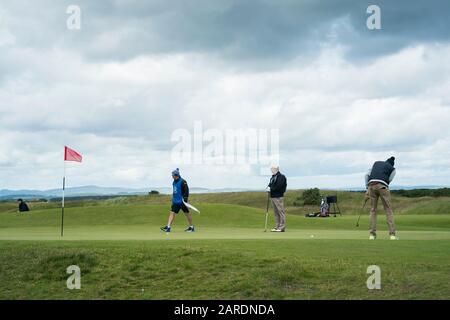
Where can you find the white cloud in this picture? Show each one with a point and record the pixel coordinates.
(335, 117)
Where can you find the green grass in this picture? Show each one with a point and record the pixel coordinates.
(123, 255)
(349, 202)
(232, 269)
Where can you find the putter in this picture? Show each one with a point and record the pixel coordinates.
(190, 206)
(267, 211)
(359, 217)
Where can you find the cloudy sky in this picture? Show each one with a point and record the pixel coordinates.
(341, 95)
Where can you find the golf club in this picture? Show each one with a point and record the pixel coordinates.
(190, 206)
(267, 211)
(364, 205)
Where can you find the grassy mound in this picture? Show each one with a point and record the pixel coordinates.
(350, 203)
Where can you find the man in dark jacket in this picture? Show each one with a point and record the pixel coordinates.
(23, 207)
(277, 188)
(179, 198)
(377, 183)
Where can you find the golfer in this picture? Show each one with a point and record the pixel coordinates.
(277, 188)
(23, 207)
(377, 183)
(180, 194)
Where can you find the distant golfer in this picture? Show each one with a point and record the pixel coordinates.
(23, 207)
(377, 182)
(277, 188)
(180, 194)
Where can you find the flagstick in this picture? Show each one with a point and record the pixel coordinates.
(62, 204)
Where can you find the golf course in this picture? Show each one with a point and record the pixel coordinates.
(123, 254)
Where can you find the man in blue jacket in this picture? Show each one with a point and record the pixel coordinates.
(180, 194)
(377, 183)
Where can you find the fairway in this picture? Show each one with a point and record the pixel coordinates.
(122, 254)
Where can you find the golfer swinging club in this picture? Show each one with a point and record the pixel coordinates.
(377, 182)
(277, 188)
(180, 193)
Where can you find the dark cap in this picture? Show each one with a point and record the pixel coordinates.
(391, 160)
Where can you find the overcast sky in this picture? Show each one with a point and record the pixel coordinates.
(342, 96)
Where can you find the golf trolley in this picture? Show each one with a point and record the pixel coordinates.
(333, 202)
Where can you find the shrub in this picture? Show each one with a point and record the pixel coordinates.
(311, 197)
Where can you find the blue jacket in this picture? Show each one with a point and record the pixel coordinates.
(180, 191)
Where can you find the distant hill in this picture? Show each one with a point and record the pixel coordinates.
(71, 192)
(85, 191)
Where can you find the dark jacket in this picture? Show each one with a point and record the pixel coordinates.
(23, 207)
(185, 191)
(278, 184)
(382, 171)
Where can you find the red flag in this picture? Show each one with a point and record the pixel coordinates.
(71, 155)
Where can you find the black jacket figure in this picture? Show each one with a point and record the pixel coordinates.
(278, 184)
(23, 207)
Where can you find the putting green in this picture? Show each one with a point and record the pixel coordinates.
(217, 221)
(152, 233)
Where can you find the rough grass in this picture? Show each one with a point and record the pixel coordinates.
(218, 269)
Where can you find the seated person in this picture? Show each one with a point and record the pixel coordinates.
(23, 207)
(324, 209)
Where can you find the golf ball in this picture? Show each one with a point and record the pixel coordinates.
(312, 236)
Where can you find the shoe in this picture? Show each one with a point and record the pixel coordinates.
(274, 230)
(190, 229)
(393, 237)
(165, 229)
(278, 230)
(372, 237)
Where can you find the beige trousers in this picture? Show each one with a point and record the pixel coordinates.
(377, 191)
(279, 212)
